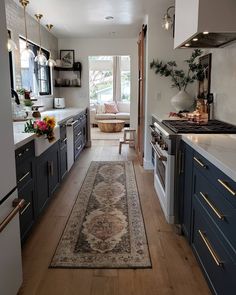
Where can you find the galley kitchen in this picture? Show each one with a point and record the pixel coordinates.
(117, 151)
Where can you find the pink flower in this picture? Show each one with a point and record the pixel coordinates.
(42, 125)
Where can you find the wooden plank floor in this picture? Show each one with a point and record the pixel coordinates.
(175, 270)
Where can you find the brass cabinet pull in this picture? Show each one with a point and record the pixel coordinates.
(210, 249)
(18, 205)
(50, 168)
(23, 177)
(229, 189)
(199, 162)
(25, 208)
(216, 211)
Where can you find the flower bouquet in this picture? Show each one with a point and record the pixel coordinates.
(42, 127)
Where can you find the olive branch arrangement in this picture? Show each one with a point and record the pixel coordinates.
(180, 78)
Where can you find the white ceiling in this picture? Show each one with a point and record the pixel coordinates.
(85, 18)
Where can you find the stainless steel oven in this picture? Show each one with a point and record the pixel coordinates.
(164, 170)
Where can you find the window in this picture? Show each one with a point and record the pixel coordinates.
(109, 78)
(11, 64)
(35, 77)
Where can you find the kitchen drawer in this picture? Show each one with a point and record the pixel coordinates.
(78, 148)
(27, 214)
(24, 173)
(24, 153)
(78, 133)
(222, 213)
(219, 180)
(216, 257)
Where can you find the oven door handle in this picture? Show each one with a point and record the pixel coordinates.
(152, 128)
(159, 155)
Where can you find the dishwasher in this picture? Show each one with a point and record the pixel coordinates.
(70, 141)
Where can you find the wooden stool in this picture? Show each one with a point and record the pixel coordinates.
(129, 138)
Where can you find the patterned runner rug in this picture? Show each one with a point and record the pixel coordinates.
(105, 228)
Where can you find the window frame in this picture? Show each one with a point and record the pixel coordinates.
(35, 48)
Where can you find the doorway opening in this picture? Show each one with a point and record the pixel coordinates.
(110, 93)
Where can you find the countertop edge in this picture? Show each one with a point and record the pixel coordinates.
(31, 136)
(24, 141)
(211, 158)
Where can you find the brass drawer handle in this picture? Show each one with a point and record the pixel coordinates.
(216, 211)
(229, 189)
(18, 205)
(210, 249)
(25, 208)
(199, 162)
(23, 177)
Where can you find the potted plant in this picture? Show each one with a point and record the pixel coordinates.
(181, 79)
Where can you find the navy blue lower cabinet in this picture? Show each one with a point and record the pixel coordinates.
(48, 175)
(27, 214)
(217, 258)
(25, 173)
(185, 171)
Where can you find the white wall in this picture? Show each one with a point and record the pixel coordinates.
(160, 44)
(15, 23)
(88, 47)
(223, 83)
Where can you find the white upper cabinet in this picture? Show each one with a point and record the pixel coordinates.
(204, 23)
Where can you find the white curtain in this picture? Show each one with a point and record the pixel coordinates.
(116, 78)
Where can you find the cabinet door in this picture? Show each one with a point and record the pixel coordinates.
(42, 182)
(63, 161)
(185, 187)
(27, 215)
(53, 168)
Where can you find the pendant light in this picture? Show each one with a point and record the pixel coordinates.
(51, 62)
(27, 52)
(11, 45)
(40, 58)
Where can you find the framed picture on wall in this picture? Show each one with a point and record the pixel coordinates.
(204, 86)
(67, 57)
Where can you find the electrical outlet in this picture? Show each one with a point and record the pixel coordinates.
(158, 96)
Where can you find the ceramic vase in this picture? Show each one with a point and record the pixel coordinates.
(182, 101)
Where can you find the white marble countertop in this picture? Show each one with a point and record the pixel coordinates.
(61, 115)
(219, 149)
(161, 117)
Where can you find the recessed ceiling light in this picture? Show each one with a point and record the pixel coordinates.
(109, 17)
(195, 39)
(205, 33)
(187, 45)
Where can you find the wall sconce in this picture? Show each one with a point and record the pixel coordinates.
(168, 20)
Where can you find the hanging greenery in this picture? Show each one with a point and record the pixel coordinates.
(180, 78)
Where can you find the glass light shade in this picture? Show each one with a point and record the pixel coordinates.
(11, 45)
(27, 54)
(167, 22)
(40, 58)
(51, 63)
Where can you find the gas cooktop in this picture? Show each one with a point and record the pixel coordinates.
(213, 126)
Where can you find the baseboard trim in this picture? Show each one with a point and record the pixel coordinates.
(147, 165)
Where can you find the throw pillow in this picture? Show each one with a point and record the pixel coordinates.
(111, 108)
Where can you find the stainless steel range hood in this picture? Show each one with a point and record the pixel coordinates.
(204, 23)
